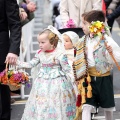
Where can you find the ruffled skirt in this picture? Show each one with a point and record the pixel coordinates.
(52, 99)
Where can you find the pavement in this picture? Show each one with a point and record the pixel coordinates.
(42, 20)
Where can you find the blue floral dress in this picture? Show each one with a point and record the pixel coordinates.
(52, 96)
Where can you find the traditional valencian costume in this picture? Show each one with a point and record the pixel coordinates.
(52, 96)
(71, 53)
(92, 69)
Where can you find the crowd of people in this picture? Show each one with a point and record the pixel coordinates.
(73, 78)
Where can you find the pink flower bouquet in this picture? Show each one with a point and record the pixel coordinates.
(70, 24)
(14, 78)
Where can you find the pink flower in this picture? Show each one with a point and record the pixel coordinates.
(70, 24)
(14, 77)
(103, 30)
(2, 73)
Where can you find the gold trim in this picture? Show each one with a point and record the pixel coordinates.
(93, 72)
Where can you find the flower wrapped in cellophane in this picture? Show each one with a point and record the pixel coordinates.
(14, 78)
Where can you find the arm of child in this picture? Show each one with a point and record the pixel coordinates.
(113, 47)
(35, 61)
(66, 67)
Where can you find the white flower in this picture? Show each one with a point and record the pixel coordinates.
(95, 29)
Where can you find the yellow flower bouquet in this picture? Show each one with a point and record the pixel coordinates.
(98, 28)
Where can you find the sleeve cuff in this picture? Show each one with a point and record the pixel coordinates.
(24, 6)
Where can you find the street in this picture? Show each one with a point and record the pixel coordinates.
(42, 19)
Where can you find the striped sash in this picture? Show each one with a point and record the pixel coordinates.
(80, 66)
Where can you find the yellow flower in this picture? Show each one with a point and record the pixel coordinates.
(97, 28)
(91, 29)
(99, 24)
(99, 33)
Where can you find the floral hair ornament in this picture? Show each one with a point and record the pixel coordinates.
(70, 24)
(98, 28)
(60, 45)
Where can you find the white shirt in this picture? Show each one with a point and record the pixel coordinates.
(90, 45)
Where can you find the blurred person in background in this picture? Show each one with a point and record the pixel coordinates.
(58, 23)
(112, 8)
(57, 20)
(73, 9)
(23, 16)
(107, 3)
(115, 14)
(29, 8)
(10, 36)
(26, 12)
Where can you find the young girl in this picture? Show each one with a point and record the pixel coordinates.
(70, 40)
(94, 60)
(52, 96)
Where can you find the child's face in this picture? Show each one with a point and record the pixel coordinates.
(67, 42)
(85, 26)
(44, 42)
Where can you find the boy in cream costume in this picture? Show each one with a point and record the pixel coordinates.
(92, 66)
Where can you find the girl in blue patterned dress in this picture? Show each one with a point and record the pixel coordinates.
(52, 96)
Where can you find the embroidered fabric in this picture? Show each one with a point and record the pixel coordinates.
(60, 47)
(52, 96)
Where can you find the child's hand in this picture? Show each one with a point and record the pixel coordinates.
(109, 48)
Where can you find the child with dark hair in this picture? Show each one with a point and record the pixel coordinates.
(94, 15)
(95, 55)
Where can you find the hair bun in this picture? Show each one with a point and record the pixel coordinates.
(51, 35)
(53, 39)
